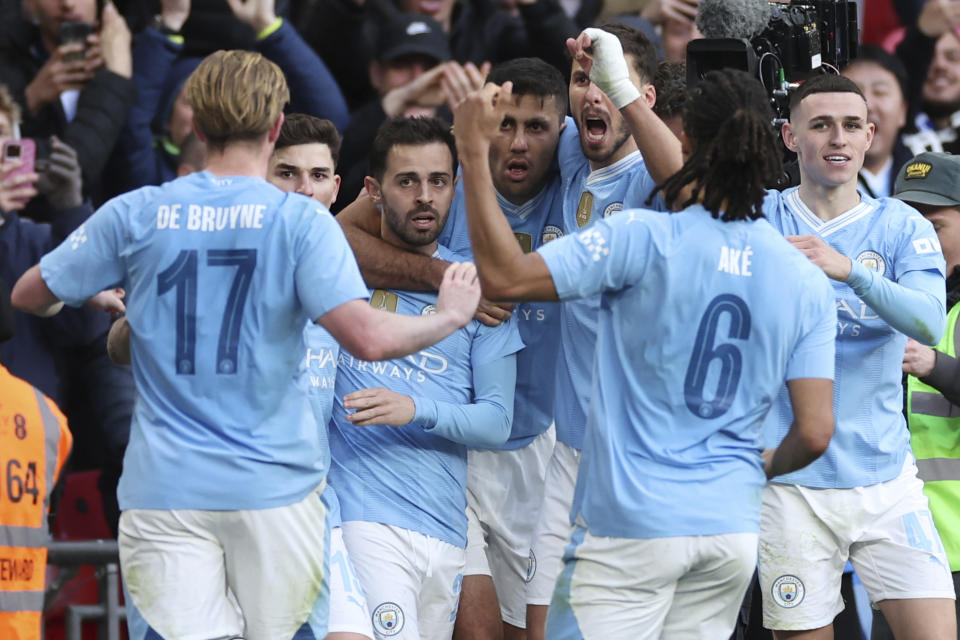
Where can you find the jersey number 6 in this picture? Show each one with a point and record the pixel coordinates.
(705, 352)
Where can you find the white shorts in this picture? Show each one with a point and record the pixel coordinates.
(258, 574)
(504, 495)
(682, 588)
(807, 535)
(348, 604)
(553, 527)
(412, 581)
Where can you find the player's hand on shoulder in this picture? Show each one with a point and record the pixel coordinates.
(918, 359)
(379, 406)
(836, 265)
(459, 292)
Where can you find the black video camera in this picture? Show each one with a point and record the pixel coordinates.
(800, 38)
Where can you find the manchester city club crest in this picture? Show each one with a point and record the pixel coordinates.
(612, 208)
(873, 261)
(429, 310)
(787, 591)
(388, 619)
(531, 566)
(550, 232)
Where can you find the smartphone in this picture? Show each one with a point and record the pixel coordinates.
(72, 31)
(24, 150)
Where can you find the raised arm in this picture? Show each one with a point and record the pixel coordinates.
(506, 272)
(601, 56)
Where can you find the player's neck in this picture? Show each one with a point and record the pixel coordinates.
(239, 159)
(828, 203)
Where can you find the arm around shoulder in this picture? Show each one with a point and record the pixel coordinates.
(812, 428)
(32, 295)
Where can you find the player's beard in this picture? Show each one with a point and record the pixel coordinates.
(623, 135)
(398, 224)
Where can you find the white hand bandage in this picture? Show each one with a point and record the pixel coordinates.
(610, 71)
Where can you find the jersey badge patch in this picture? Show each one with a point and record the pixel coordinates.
(429, 310)
(612, 208)
(787, 591)
(584, 209)
(384, 300)
(550, 232)
(873, 261)
(388, 619)
(525, 240)
(531, 566)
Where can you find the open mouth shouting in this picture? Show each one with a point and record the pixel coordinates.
(423, 220)
(594, 129)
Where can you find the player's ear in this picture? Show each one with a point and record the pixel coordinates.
(373, 188)
(789, 137)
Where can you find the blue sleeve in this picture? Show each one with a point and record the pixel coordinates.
(813, 355)
(313, 89)
(607, 256)
(326, 274)
(89, 260)
(914, 305)
(485, 423)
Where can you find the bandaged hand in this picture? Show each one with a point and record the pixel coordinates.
(609, 70)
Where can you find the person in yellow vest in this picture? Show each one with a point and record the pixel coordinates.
(34, 444)
(931, 183)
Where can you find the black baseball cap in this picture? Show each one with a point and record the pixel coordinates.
(404, 34)
(930, 178)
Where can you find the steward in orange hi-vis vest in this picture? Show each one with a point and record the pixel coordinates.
(34, 443)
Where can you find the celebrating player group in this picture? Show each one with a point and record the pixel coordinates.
(551, 376)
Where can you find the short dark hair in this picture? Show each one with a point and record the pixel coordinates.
(827, 83)
(638, 45)
(409, 131)
(672, 91)
(532, 77)
(879, 56)
(300, 128)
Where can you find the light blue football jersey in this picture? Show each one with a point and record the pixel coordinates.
(410, 476)
(690, 357)
(588, 196)
(316, 377)
(534, 223)
(871, 439)
(221, 275)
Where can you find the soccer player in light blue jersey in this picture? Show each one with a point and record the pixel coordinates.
(690, 356)
(862, 499)
(403, 490)
(222, 532)
(607, 163)
(505, 485)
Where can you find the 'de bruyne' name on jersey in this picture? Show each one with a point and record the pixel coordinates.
(207, 218)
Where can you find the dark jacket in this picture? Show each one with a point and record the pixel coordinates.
(101, 109)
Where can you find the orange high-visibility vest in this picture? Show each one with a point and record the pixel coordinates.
(34, 443)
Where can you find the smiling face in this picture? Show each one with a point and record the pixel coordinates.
(306, 169)
(942, 86)
(886, 107)
(830, 134)
(604, 135)
(415, 195)
(522, 152)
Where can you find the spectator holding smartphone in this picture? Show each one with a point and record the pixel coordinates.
(79, 91)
